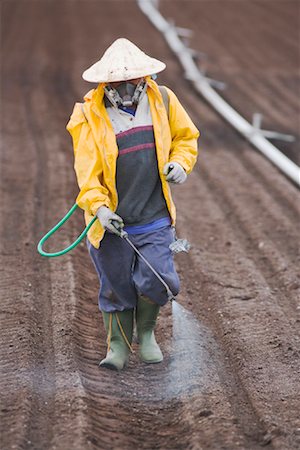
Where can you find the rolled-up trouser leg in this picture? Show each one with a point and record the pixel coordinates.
(114, 262)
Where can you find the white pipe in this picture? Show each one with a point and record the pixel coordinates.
(199, 82)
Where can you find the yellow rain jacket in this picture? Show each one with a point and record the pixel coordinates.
(96, 150)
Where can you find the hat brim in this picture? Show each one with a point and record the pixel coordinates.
(96, 74)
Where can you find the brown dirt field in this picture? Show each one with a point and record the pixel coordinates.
(230, 377)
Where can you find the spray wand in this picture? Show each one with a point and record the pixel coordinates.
(124, 236)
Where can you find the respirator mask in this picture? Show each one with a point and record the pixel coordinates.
(126, 94)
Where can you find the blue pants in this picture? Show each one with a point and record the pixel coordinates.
(123, 275)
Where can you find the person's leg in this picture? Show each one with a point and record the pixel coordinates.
(119, 328)
(117, 297)
(152, 294)
(154, 246)
(113, 262)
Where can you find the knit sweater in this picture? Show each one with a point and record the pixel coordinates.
(140, 197)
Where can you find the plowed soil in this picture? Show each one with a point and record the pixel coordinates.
(230, 377)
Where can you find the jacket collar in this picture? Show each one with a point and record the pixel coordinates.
(95, 98)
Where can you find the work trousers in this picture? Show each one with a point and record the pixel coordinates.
(123, 275)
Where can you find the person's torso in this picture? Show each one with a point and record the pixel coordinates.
(140, 197)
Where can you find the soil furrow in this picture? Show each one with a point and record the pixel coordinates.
(274, 251)
(153, 404)
(230, 374)
(273, 107)
(244, 325)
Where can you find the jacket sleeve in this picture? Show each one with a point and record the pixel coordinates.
(184, 135)
(87, 163)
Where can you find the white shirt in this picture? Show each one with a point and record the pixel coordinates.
(123, 121)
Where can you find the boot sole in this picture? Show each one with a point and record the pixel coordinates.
(152, 362)
(109, 366)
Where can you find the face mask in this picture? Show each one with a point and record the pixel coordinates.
(126, 91)
(126, 94)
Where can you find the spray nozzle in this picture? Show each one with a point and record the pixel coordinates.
(180, 245)
(171, 298)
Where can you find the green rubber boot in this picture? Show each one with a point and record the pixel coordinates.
(119, 328)
(146, 315)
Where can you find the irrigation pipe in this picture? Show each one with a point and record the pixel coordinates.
(200, 83)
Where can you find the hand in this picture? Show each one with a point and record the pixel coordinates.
(106, 216)
(175, 173)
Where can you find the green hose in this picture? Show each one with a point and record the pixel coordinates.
(54, 229)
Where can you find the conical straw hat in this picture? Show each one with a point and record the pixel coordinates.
(122, 61)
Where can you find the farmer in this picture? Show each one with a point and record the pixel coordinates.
(131, 139)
